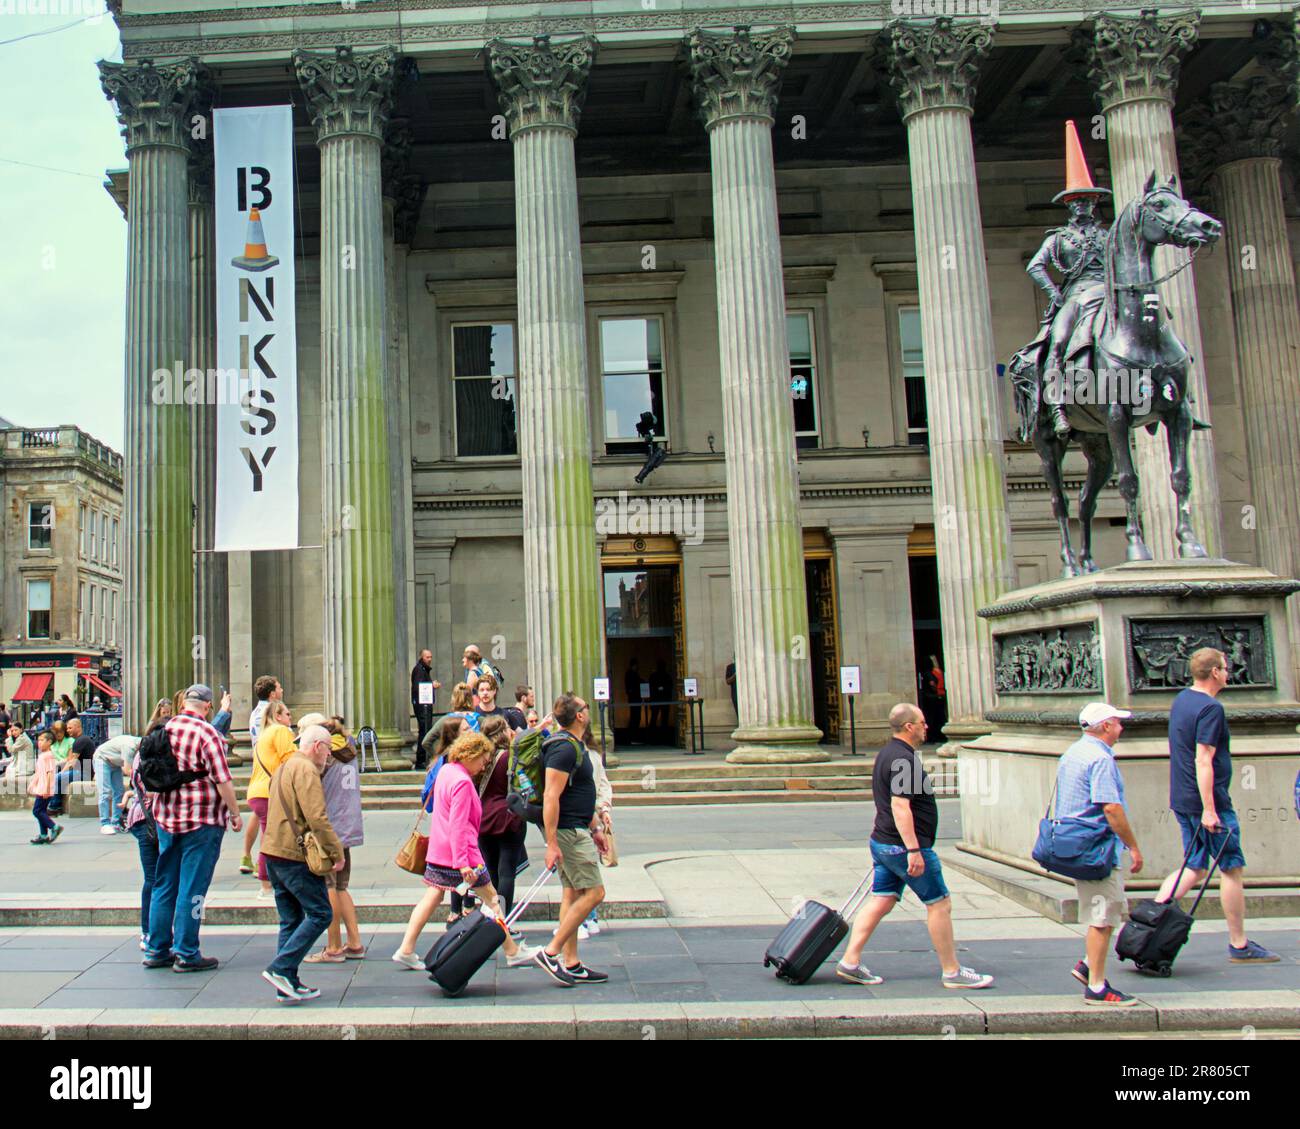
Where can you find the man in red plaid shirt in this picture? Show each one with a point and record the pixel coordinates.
(191, 823)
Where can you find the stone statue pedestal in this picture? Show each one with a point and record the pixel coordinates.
(1123, 635)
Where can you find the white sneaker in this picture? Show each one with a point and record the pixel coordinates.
(593, 926)
(523, 956)
(409, 960)
(583, 933)
(108, 829)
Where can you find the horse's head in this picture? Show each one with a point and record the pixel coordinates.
(1165, 217)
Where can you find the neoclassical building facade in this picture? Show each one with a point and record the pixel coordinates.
(793, 234)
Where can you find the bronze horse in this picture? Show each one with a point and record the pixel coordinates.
(1124, 368)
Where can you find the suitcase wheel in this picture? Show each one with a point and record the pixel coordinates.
(1166, 970)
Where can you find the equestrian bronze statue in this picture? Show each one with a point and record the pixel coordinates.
(1106, 359)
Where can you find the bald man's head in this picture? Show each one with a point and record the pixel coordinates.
(903, 715)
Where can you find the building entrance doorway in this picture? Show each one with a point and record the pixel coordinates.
(927, 629)
(645, 645)
(824, 650)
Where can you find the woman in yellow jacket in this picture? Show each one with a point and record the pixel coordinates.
(274, 747)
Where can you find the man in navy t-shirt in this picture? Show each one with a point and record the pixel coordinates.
(1200, 770)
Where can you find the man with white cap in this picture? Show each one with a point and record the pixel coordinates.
(1090, 789)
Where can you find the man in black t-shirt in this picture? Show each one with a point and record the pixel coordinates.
(84, 749)
(568, 819)
(902, 849)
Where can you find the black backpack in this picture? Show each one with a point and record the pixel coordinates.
(157, 765)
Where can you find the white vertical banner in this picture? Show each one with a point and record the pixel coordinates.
(257, 429)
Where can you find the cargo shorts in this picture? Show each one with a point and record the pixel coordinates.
(579, 859)
(1101, 901)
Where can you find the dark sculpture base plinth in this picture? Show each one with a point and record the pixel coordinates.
(1124, 635)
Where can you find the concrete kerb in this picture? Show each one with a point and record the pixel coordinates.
(962, 1016)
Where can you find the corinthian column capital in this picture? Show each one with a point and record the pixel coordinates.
(1131, 58)
(737, 74)
(936, 64)
(348, 93)
(1236, 121)
(155, 103)
(540, 84)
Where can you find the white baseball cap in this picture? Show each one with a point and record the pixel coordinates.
(1094, 713)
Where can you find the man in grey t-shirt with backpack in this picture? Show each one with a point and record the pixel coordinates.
(568, 819)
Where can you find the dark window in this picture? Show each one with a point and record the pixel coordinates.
(632, 375)
(483, 371)
(40, 525)
(909, 335)
(803, 378)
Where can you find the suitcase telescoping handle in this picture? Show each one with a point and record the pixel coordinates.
(851, 904)
(533, 891)
(1214, 863)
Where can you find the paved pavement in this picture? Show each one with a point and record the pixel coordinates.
(726, 879)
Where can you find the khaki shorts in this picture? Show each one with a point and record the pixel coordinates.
(579, 859)
(339, 879)
(1102, 903)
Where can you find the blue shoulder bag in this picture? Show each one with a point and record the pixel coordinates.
(1073, 848)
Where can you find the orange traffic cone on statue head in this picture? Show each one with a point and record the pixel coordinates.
(1078, 181)
(254, 257)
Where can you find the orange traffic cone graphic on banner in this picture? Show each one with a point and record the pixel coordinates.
(254, 257)
(1078, 182)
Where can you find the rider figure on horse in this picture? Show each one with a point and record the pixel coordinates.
(1077, 252)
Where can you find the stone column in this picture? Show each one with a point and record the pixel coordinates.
(1242, 128)
(154, 104)
(1134, 62)
(395, 158)
(350, 97)
(541, 88)
(933, 69)
(737, 77)
(211, 601)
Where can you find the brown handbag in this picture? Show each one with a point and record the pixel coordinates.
(415, 850)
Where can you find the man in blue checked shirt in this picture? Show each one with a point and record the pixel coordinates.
(1089, 788)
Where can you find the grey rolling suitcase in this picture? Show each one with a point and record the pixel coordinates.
(810, 936)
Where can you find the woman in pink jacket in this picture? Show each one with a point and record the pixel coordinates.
(454, 856)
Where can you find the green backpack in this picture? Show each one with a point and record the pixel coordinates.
(525, 774)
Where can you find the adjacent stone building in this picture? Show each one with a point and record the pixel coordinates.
(61, 565)
(794, 234)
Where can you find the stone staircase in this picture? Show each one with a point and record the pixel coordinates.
(658, 784)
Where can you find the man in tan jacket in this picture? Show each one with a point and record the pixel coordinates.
(296, 805)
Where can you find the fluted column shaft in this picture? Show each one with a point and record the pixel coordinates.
(158, 578)
(211, 601)
(1140, 133)
(1134, 63)
(769, 600)
(561, 570)
(360, 641)
(153, 104)
(968, 484)
(1268, 358)
(934, 70)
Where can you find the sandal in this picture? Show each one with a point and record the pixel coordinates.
(325, 957)
(359, 953)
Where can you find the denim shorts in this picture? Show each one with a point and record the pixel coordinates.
(890, 875)
(1200, 856)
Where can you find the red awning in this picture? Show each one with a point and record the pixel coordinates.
(32, 688)
(99, 684)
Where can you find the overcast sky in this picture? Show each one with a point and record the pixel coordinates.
(63, 263)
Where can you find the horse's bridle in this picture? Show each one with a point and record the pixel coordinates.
(1142, 286)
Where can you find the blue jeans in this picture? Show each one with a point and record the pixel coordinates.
(61, 782)
(303, 902)
(181, 881)
(108, 783)
(891, 875)
(148, 864)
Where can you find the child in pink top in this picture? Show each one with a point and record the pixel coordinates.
(41, 788)
(453, 856)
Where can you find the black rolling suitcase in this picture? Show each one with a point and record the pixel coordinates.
(1156, 931)
(810, 936)
(470, 943)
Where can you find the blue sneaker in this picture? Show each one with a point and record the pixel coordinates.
(1251, 953)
